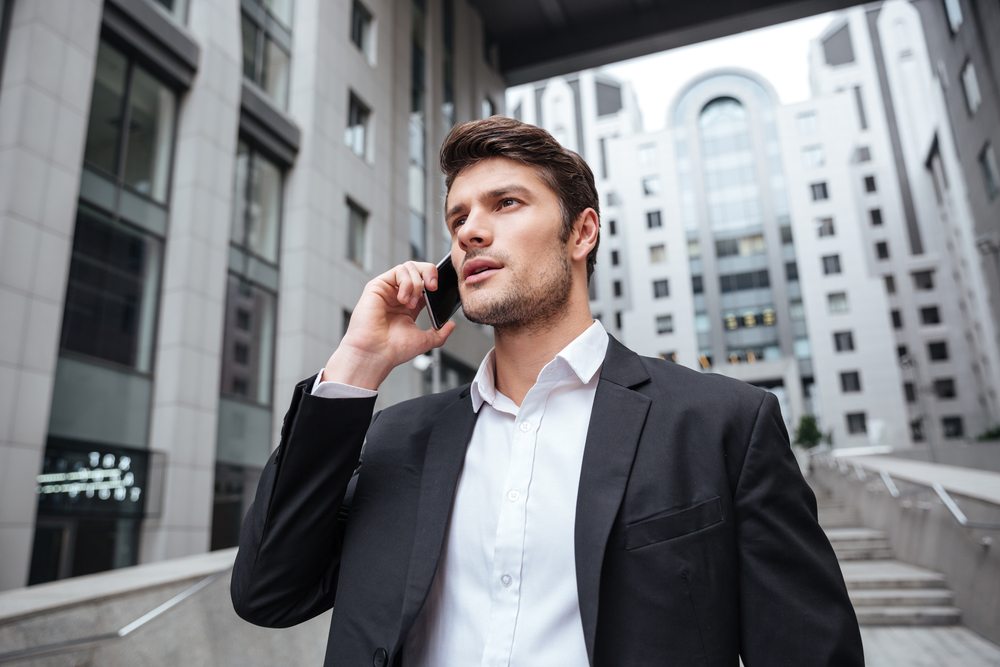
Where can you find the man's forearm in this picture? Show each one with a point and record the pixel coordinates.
(285, 571)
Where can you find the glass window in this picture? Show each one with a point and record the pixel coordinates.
(953, 10)
(952, 427)
(664, 324)
(843, 341)
(697, 284)
(870, 184)
(819, 191)
(944, 388)
(937, 350)
(614, 258)
(257, 204)
(361, 29)
(923, 280)
(836, 302)
(653, 220)
(616, 287)
(824, 227)
(131, 140)
(850, 382)
(647, 155)
(875, 216)
(882, 249)
(266, 46)
(807, 123)
(812, 157)
(651, 185)
(150, 136)
(910, 392)
(657, 253)
(106, 108)
(970, 86)
(247, 353)
(791, 271)
(112, 292)
(831, 264)
(801, 348)
(930, 315)
(612, 228)
(988, 167)
(890, 283)
(176, 8)
(863, 154)
(358, 117)
(618, 319)
(661, 288)
(857, 423)
(897, 319)
(357, 234)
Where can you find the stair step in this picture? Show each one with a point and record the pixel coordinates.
(869, 574)
(904, 597)
(909, 615)
(884, 553)
(851, 533)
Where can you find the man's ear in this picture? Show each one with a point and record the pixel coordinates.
(586, 230)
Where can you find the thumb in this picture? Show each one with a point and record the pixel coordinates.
(437, 337)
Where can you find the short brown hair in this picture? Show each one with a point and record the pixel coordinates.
(560, 168)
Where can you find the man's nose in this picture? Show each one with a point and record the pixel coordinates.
(476, 231)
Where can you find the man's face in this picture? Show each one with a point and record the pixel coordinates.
(514, 271)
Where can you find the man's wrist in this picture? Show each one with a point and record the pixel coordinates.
(350, 367)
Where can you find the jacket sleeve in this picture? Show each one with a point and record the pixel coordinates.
(794, 605)
(289, 554)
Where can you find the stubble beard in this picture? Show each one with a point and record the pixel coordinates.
(533, 305)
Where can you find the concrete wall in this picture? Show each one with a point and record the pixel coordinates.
(203, 630)
(923, 532)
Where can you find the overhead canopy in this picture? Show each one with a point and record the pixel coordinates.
(538, 39)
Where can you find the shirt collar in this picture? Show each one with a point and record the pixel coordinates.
(584, 356)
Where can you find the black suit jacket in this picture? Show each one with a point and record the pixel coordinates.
(696, 536)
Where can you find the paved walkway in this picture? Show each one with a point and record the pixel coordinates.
(928, 647)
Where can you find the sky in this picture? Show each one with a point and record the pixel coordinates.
(778, 53)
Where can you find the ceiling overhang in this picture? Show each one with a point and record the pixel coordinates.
(538, 39)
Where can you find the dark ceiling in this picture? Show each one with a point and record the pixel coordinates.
(537, 39)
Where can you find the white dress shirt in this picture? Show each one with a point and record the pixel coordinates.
(505, 593)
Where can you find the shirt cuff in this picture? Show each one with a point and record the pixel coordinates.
(339, 390)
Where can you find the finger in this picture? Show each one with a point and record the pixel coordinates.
(404, 283)
(416, 284)
(429, 273)
(438, 337)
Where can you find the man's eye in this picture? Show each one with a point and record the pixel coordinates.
(507, 202)
(457, 222)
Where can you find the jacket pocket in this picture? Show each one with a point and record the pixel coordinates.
(673, 524)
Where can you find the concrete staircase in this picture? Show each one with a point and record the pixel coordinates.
(885, 591)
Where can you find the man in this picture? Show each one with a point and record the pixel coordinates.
(577, 504)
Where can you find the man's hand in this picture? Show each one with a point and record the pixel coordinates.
(383, 332)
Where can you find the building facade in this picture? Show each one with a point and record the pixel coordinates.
(193, 194)
(910, 197)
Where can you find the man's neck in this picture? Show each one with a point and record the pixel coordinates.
(519, 355)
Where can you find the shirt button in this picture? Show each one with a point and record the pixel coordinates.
(513, 495)
(525, 427)
(505, 580)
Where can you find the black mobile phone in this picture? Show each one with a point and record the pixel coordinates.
(445, 300)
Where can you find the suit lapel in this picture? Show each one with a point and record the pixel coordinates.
(616, 423)
(443, 462)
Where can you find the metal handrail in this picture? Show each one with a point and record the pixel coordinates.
(92, 640)
(946, 499)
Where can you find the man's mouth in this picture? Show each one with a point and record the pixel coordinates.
(479, 269)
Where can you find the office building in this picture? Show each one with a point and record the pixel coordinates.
(194, 193)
